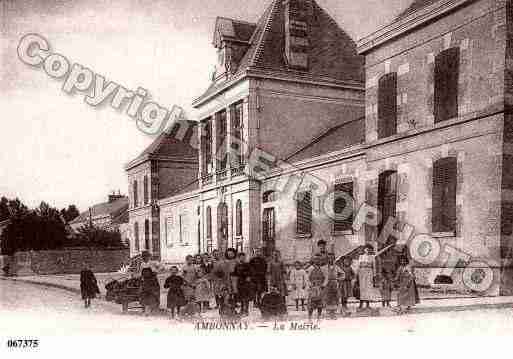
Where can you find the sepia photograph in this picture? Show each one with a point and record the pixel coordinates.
(276, 172)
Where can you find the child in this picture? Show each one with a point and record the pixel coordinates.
(88, 285)
(190, 275)
(316, 280)
(346, 289)
(191, 309)
(333, 276)
(175, 296)
(149, 295)
(227, 304)
(386, 288)
(298, 282)
(203, 292)
(272, 304)
(407, 295)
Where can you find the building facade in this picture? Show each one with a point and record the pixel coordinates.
(167, 165)
(293, 141)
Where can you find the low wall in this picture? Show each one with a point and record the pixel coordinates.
(69, 261)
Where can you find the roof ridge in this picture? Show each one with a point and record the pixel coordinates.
(321, 135)
(237, 20)
(265, 27)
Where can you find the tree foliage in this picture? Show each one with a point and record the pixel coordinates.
(38, 229)
(70, 213)
(90, 235)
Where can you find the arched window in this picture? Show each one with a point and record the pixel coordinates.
(304, 212)
(446, 76)
(387, 196)
(208, 216)
(146, 190)
(444, 195)
(147, 235)
(387, 105)
(135, 194)
(238, 218)
(136, 237)
(269, 196)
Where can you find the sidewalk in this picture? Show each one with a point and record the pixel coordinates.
(71, 282)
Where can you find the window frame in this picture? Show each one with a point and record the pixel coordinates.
(446, 84)
(304, 213)
(387, 105)
(445, 179)
(346, 224)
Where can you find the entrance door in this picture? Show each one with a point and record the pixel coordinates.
(268, 231)
(222, 227)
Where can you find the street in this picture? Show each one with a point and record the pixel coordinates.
(27, 309)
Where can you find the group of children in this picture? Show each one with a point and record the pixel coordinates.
(318, 285)
(323, 285)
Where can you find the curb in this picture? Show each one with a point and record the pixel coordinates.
(43, 284)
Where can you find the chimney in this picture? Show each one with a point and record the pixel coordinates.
(297, 15)
(114, 197)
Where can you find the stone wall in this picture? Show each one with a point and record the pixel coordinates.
(68, 261)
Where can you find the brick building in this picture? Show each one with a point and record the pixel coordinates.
(167, 165)
(289, 123)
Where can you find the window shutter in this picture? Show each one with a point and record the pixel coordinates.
(238, 218)
(444, 195)
(209, 223)
(340, 206)
(304, 213)
(387, 105)
(447, 65)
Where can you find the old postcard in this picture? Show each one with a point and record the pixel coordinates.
(174, 170)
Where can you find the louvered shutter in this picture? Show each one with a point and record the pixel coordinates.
(304, 213)
(341, 207)
(387, 105)
(444, 195)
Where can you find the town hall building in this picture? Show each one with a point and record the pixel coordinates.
(300, 123)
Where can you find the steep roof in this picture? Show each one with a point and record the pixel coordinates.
(332, 54)
(175, 143)
(232, 29)
(335, 139)
(414, 6)
(114, 209)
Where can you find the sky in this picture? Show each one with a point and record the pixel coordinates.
(55, 147)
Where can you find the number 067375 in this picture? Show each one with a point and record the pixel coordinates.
(23, 343)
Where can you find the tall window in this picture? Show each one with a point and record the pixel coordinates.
(268, 230)
(206, 144)
(447, 65)
(343, 207)
(183, 228)
(222, 226)
(444, 195)
(387, 105)
(387, 196)
(208, 216)
(238, 218)
(169, 231)
(135, 194)
(304, 212)
(147, 235)
(236, 147)
(136, 237)
(146, 190)
(221, 153)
